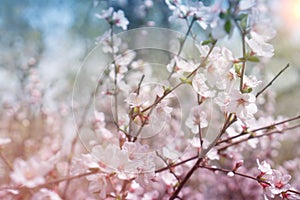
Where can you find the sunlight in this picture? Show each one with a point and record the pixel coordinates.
(291, 13)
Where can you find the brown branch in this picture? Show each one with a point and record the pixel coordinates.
(257, 136)
(229, 120)
(271, 82)
(258, 129)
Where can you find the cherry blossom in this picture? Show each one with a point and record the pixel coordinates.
(189, 129)
(260, 34)
(264, 167)
(116, 18)
(30, 173)
(197, 119)
(242, 104)
(200, 86)
(278, 181)
(45, 193)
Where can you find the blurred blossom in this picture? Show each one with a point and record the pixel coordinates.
(115, 18)
(30, 173)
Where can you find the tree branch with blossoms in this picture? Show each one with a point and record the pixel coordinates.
(155, 132)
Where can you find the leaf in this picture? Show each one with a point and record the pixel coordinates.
(227, 26)
(253, 59)
(205, 42)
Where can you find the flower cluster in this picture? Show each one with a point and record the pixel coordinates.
(191, 128)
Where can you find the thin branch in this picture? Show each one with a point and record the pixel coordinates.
(186, 178)
(67, 178)
(6, 161)
(182, 44)
(275, 124)
(258, 129)
(271, 82)
(170, 168)
(229, 120)
(257, 136)
(158, 100)
(139, 85)
(176, 164)
(236, 173)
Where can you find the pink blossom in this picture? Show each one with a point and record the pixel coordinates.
(261, 33)
(242, 104)
(264, 167)
(197, 119)
(120, 19)
(97, 184)
(30, 173)
(137, 100)
(116, 18)
(200, 86)
(278, 181)
(106, 41)
(45, 193)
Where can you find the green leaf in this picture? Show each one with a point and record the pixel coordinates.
(223, 15)
(238, 67)
(253, 59)
(186, 81)
(227, 26)
(247, 90)
(205, 42)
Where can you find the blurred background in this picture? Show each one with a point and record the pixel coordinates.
(53, 37)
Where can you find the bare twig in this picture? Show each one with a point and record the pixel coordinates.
(182, 44)
(271, 82)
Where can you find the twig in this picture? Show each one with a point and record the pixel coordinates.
(139, 85)
(75, 140)
(271, 82)
(158, 100)
(182, 44)
(5, 160)
(258, 129)
(170, 168)
(236, 173)
(229, 120)
(257, 136)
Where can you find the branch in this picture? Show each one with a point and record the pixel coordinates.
(182, 44)
(258, 129)
(229, 120)
(271, 82)
(257, 136)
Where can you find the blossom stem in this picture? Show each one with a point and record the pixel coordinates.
(243, 62)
